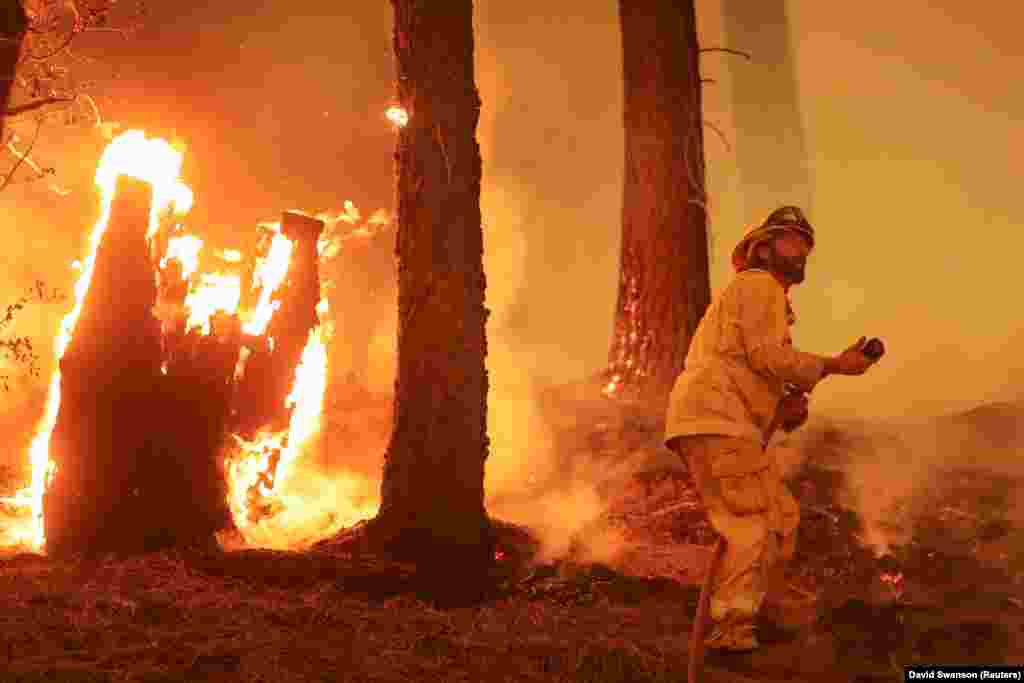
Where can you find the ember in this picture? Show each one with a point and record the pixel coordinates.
(398, 116)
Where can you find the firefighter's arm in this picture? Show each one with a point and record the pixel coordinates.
(764, 328)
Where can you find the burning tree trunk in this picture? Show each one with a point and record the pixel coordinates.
(300, 294)
(664, 284)
(270, 370)
(13, 24)
(432, 495)
(118, 485)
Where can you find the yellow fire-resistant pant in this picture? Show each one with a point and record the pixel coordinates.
(749, 505)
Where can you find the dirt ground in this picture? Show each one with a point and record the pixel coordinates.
(952, 594)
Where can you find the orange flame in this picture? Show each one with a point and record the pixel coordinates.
(215, 292)
(186, 249)
(270, 273)
(230, 255)
(294, 490)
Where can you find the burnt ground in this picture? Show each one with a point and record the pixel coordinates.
(951, 593)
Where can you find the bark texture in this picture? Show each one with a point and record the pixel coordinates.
(664, 285)
(432, 494)
(771, 148)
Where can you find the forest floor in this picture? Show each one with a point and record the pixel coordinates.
(951, 593)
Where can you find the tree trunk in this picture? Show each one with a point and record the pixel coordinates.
(13, 24)
(664, 284)
(432, 494)
(771, 151)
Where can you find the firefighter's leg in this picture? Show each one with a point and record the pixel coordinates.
(779, 601)
(737, 507)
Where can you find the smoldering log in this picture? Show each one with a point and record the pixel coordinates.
(270, 371)
(126, 477)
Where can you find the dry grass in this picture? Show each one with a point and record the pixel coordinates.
(322, 616)
(165, 617)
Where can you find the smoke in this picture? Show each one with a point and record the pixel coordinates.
(893, 470)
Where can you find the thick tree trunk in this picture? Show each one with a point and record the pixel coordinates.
(126, 478)
(432, 495)
(664, 284)
(13, 24)
(770, 145)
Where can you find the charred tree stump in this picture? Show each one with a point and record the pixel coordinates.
(198, 392)
(270, 372)
(118, 485)
(114, 487)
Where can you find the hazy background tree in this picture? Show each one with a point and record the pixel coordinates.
(664, 284)
(770, 146)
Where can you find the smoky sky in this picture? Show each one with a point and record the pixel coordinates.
(909, 115)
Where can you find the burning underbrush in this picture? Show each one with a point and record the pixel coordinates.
(887, 512)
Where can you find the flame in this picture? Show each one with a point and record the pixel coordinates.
(230, 255)
(215, 292)
(286, 486)
(398, 116)
(270, 273)
(130, 154)
(186, 249)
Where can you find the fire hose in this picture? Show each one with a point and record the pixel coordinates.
(873, 349)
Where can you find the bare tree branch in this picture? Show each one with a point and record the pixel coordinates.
(22, 158)
(721, 135)
(56, 51)
(729, 50)
(38, 104)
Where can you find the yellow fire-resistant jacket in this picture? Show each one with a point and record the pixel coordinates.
(739, 359)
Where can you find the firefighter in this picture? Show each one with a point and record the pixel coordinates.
(724, 406)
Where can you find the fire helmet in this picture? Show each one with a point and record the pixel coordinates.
(783, 218)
